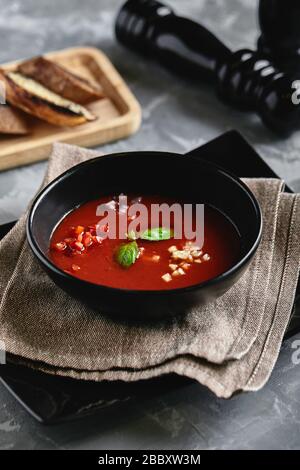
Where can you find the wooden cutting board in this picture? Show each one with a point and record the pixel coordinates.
(119, 113)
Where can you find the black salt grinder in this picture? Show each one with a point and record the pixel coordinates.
(280, 32)
(244, 79)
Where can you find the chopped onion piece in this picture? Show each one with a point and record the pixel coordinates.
(186, 266)
(167, 277)
(180, 254)
(173, 267)
(196, 253)
(75, 267)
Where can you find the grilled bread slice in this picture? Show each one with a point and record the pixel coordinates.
(35, 99)
(59, 80)
(12, 121)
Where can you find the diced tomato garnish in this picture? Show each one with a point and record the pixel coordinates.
(77, 246)
(69, 241)
(60, 246)
(80, 237)
(75, 267)
(87, 239)
(79, 229)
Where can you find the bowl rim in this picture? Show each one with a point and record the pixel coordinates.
(44, 260)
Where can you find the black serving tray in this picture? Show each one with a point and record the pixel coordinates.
(52, 399)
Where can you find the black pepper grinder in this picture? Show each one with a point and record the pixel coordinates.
(245, 79)
(280, 26)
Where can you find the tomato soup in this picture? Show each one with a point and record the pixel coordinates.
(153, 261)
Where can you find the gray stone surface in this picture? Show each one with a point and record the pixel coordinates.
(176, 117)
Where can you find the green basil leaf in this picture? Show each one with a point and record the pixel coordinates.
(127, 254)
(157, 234)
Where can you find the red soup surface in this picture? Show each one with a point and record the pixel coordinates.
(76, 248)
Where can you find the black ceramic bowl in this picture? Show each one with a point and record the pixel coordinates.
(145, 173)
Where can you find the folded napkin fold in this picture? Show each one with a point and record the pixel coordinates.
(229, 345)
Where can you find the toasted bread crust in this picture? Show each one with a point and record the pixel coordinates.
(40, 107)
(59, 80)
(12, 121)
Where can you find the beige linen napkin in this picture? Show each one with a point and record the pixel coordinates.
(229, 345)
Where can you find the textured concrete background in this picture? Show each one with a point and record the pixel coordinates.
(176, 117)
